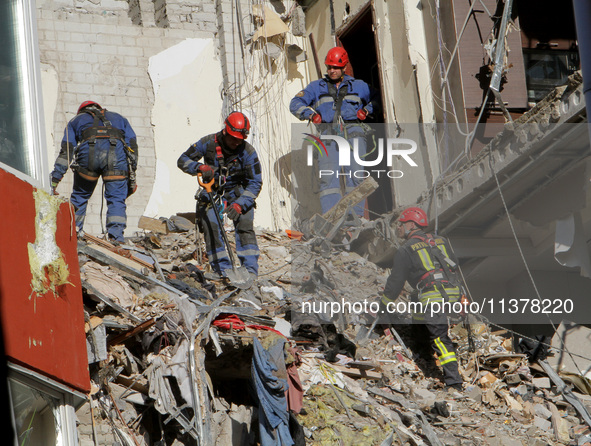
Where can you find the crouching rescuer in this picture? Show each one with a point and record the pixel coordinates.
(428, 264)
(101, 143)
(233, 164)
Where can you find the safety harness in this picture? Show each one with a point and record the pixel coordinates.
(102, 129)
(337, 96)
(214, 152)
(443, 272)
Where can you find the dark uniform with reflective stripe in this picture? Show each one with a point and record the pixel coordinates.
(238, 179)
(102, 143)
(431, 274)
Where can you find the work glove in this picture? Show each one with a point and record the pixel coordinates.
(233, 211)
(316, 118)
(54, 183)
(206, 173)
(131, 184)
(362, 114)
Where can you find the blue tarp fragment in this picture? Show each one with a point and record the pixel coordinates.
(270, 390)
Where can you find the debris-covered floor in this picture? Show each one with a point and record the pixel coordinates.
(178, 359)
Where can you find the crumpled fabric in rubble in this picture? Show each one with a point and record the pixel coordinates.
(270, 391)
(295, 392)
(159, 390)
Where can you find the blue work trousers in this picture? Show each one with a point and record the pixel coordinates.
(115, 195)
(247, 248)
(331, 174)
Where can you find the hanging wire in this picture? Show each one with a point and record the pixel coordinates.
(442, 104)
(521, 254)
(263, 85)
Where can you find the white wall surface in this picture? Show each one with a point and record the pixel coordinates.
(186, 80)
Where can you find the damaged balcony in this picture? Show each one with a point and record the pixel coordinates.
(535, 170)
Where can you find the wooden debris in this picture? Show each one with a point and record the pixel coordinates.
(361, 192)
(107, 300)
(120, 339)
(151, 224)
(106, 245)
(356, 372)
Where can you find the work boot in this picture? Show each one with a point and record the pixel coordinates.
(458, 386)
(114, 241)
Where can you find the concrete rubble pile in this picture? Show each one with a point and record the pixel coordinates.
(178, 359)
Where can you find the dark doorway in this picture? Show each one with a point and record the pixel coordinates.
(358, 38)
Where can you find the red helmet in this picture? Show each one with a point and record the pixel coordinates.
(86, 104)
(416, 215)
(337, 57)
(237, 125)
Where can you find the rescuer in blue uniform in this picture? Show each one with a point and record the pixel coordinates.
(428, 264)
(234, 164)
(102, 144)
(337, 104)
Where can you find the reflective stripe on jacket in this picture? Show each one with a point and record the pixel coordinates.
(244, 179)
(413, 262)
(316, 97)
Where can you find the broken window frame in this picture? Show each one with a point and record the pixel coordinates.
(539, 87)
(22, 118)
(62, 401)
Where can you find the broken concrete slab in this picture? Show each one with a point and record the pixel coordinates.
(573, 344)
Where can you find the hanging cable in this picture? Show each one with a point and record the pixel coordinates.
(521, 254)
(103, 232)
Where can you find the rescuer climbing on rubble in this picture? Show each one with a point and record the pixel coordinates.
(234, 165)
(428, 264)
(102, 144)
(338, 104)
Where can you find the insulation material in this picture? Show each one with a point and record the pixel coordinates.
(108, 282)
(570, 245)
(272, 26)
(48, 266)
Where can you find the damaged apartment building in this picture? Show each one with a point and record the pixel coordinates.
(490, 90)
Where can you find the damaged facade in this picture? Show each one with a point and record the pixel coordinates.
(492, 93)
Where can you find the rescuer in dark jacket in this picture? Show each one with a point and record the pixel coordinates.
(102, 144)
(428, 264)
(234, 164)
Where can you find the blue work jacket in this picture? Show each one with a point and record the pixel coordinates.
(239, 180)
(76, 143)
(317, 98)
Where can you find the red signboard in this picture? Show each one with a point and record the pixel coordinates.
(42, 331)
